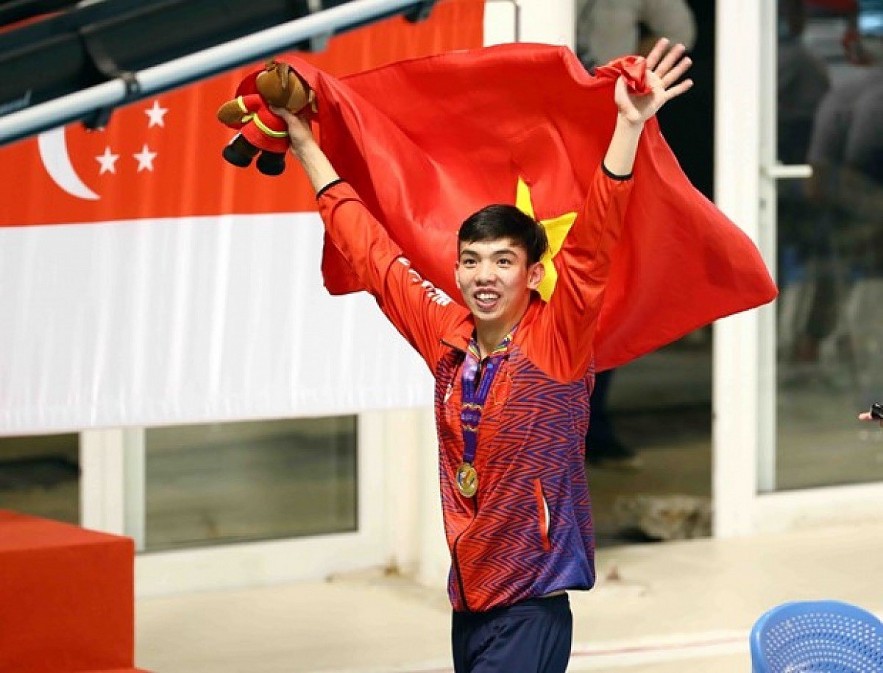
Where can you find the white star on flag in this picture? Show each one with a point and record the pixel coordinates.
(108, 161)
(145, 158)
(156, 114)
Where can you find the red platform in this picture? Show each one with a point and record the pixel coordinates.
(66, 598)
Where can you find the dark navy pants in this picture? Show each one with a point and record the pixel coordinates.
(533, 636)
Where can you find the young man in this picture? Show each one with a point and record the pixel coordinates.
(513, 376)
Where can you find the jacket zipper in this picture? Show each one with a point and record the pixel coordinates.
(459, 576)
(456, 561)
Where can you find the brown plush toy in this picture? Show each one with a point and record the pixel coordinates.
(261, 131)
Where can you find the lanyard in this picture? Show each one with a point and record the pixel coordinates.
(474, 396)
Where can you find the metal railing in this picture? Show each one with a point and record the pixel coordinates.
(180, 71)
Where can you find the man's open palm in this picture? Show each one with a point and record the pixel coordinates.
(664, 68)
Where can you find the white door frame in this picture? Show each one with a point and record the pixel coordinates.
(744, 366)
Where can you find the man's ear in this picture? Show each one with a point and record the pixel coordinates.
(457, 275)
(535, 275)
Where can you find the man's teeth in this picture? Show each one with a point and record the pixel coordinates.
(484, 296)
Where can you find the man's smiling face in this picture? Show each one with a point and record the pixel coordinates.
(496, 281)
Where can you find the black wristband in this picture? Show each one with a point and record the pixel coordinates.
(328, 186)
(613, 176)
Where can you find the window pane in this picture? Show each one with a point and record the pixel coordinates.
(830, 246)
(41, 476)
(659, 407)
(235, 482)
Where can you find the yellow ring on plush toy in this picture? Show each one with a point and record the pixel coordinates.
(266, 130)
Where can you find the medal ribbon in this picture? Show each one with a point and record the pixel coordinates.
(474, 396)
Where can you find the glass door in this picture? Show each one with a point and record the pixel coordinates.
(798, 166)
(828, 180)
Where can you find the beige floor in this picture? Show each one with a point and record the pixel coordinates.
(659, 608)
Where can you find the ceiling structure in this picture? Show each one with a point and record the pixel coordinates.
(51, 49)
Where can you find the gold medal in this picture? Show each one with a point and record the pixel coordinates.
(467, 480)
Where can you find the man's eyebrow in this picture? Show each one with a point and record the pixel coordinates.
(493, 253)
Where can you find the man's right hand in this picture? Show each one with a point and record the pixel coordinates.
(304, 146)
(299, 132)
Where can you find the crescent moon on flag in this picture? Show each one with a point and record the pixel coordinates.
(53, 152)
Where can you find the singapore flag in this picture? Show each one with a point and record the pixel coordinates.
(158, 157)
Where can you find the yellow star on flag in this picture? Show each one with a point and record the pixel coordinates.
(556, 228)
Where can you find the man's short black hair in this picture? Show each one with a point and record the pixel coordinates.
(501, 221)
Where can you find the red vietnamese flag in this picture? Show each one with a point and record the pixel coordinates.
(426, 142)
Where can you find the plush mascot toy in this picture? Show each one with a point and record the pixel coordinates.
(261, 131)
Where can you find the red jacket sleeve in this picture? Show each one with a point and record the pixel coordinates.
(561, 345)
(419, 311)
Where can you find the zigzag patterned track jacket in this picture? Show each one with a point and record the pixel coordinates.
(528, 531)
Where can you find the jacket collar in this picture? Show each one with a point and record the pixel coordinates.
(459, 336)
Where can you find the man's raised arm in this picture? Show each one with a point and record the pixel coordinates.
(583, 263)
(664, 68)
(304, 146)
